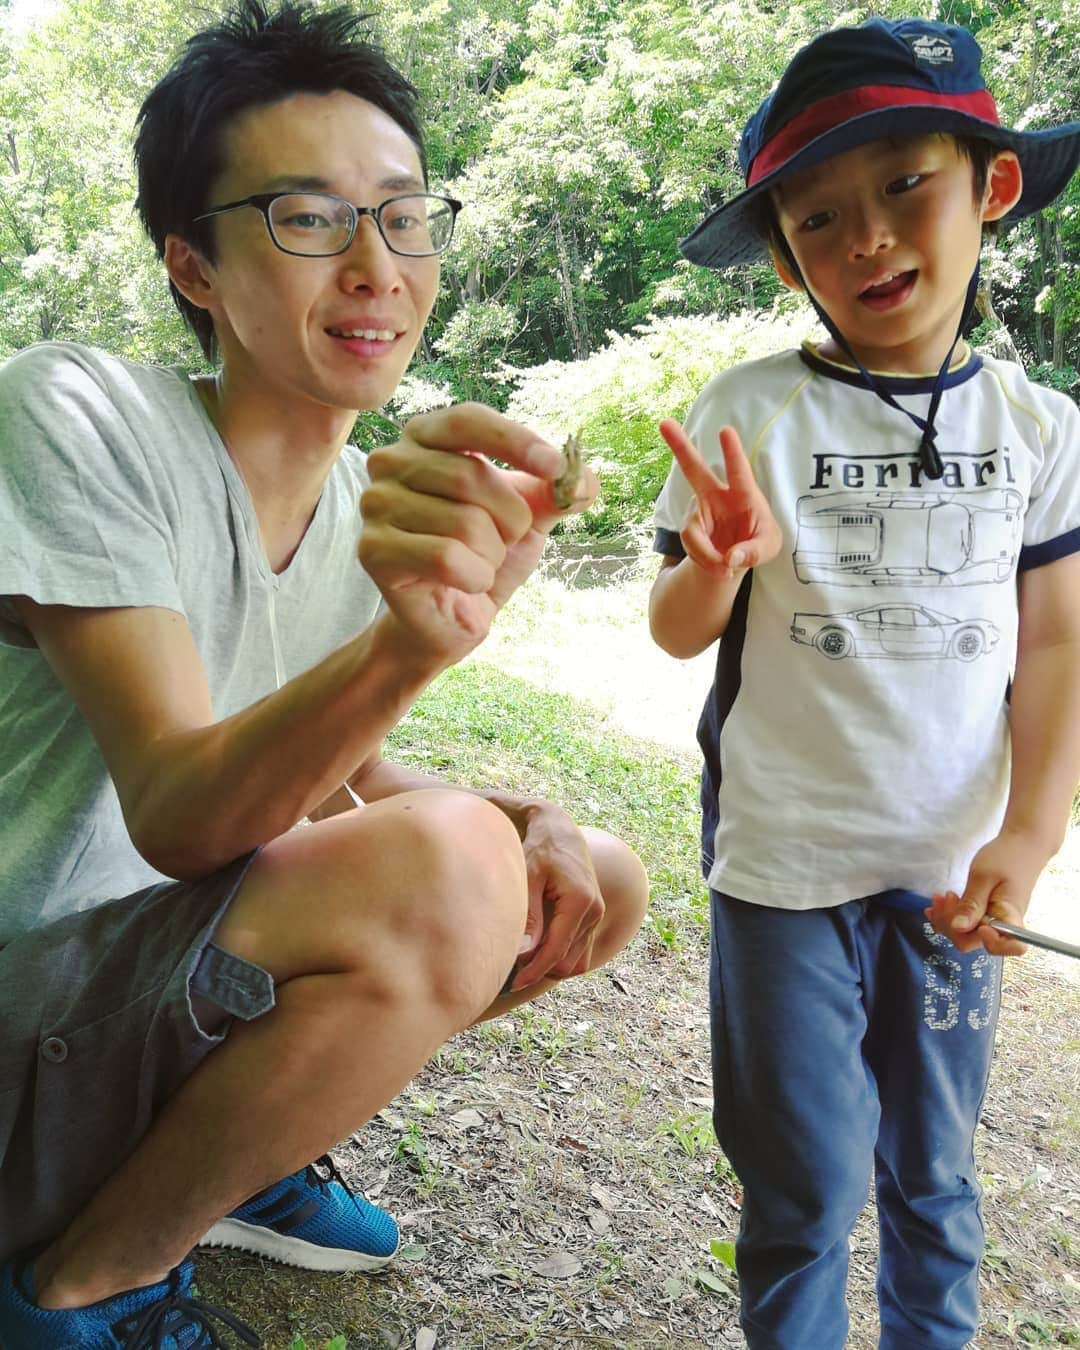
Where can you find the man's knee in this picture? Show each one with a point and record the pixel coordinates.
(426, 887)
(624, 885)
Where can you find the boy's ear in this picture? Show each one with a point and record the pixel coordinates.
(783, 270)
(1004, 183)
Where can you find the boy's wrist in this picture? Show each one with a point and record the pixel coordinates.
(1033, 835)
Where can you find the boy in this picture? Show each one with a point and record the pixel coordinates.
(192, 661)
(907, 540)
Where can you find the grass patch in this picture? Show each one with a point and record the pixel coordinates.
(480, 727)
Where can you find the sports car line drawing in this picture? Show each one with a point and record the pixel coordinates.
(915, 538)
(905, 631)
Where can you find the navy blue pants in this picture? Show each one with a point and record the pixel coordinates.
(845, 1041)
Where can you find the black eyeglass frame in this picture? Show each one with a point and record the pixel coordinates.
(262, 201)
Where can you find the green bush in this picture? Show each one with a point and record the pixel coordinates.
(619, 394)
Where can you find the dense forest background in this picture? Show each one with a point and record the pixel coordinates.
(585, 137)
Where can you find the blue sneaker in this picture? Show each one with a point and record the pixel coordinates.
(158, 1317)
(313, 1221)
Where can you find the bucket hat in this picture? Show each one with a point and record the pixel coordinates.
(854, 85)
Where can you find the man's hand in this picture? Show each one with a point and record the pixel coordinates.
(448, 535)
(1000, 881)
(729, 526)
(565, 904)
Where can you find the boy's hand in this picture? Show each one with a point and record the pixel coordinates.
(729, 526)
(1000, 881)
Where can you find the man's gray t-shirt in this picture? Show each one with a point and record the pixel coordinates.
(116, 490)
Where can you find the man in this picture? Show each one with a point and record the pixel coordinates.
(192, 662)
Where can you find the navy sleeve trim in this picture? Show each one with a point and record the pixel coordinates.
(668, 542)
(1038, 555)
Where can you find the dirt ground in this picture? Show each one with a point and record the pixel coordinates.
(555, 1174)
(557, 1183)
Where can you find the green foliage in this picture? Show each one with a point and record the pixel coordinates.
(485, 728)
(585, 139)
(691, 1131)
(619, 394)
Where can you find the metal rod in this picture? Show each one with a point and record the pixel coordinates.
(1051, 944)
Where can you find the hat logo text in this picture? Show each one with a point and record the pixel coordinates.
(932, 51)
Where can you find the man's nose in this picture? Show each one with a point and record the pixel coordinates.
(368, 263)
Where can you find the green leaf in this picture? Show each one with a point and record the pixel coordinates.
(708, 1280)
(723, 1251)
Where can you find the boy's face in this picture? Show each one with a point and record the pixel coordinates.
(280, 318)
(887, 237)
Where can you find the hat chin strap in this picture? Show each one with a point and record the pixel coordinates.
(929, 457)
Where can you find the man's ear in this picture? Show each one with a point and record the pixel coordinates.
(188, 271)
(1004, 184)
(784, 271)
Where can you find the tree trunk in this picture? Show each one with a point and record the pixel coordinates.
(1001, 343)
(567, 292)
(1040, 321)
(1058, 356)
(13, 153)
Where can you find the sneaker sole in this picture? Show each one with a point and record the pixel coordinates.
(290, 1251)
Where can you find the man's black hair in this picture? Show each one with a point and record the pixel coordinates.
(979, 152)
(253, 56)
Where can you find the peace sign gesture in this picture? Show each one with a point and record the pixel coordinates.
(729, 526)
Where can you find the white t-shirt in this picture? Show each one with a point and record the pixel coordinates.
(856, 735)
(115, 489)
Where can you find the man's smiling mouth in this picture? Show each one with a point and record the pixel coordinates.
(368, 334)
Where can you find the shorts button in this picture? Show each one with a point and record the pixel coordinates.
(54, 1050)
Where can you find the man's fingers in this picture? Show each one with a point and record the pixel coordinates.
(481, 430)
(698, 474)
(405, 471)
(560, 936)
(398, 559)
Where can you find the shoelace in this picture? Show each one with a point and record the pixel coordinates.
(147, 1330)
(332, 1174)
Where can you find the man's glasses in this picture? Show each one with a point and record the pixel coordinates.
(319, 225)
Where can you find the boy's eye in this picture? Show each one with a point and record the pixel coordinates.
(816, 220)
(904, 183)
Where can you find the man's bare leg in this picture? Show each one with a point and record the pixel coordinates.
(385, 931)
(369, 984)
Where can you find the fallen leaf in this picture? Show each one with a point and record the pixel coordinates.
(568, 1141)
(425, 1339)
(709, 1281)
(672, 1288)
(558, 1267)
(468, 1119)
(412, 1251)
(603, 1197)
(599, 1222)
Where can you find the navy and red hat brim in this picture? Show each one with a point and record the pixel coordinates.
(730, 236)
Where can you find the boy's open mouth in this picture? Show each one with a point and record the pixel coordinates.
(898, 284)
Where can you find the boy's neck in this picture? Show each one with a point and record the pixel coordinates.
(888, 364)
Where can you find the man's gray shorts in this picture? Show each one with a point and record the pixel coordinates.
(97, 1030)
